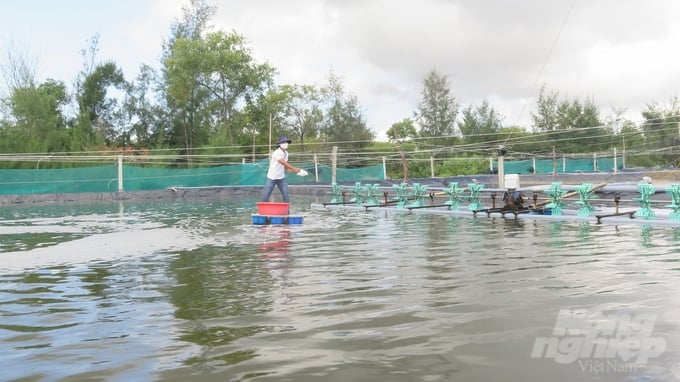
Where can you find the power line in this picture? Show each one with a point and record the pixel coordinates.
(547, 58)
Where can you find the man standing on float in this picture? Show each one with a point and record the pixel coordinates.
(276, 175)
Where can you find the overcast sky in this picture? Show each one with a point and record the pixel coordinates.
(622, 54)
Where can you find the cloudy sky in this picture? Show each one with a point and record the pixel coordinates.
(622, 54)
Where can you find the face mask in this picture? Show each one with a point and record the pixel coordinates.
(284, 146)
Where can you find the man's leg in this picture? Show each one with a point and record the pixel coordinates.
(283, 186)
(268, 188)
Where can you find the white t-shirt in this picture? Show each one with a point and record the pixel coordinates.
(276, 169)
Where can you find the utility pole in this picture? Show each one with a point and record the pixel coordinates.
(501, 167)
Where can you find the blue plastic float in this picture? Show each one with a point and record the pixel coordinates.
(274, 213)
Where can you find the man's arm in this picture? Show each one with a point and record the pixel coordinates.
(288, 166)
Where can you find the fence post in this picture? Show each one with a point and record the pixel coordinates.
(334, 164)
(120, 173)
(623, 155)
(594, 161)
(501, 172)
(533, 164)
(384, 168)
(554, 158)
(616, 170)
(316, 168)
(431, 167)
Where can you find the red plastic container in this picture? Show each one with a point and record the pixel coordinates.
(273, 208)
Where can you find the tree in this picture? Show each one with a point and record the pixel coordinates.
(397, 133)
(185, 104)
(438, 108)
(98, 109)
(660, 127)
(573, 126)
(143, 116)
(519, 141)
(627, 134)
(586, 133)
(220, 73)
(302, 111)
(344, 123)
(39, 124)
(632, 140)
(193, 24)
(19, 71)
(545, 118)
(480, 124)
(402, 130)
(231, 75)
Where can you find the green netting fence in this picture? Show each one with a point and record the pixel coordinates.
(137, 178)
(124, 177)
(561, 165)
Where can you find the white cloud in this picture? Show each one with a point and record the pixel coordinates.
(621, 54)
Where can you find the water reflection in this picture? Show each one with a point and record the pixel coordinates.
(276, 259)
(214, 283)
(584, 231)
(217, 281)
(646, 235)
(275, 253)
(556, 233)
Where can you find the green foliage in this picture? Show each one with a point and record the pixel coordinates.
(212, 76)
(574, 126)
(480, 124)
(630, 136)
(419, 168)
(300, 111)
(97, 109)
(462, 166)
(39, 124)
(402, 130)
(345, 124)
(642, 160)
(545, 118)
(438, 108)
(661, 123)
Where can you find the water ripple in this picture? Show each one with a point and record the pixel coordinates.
(196, 292)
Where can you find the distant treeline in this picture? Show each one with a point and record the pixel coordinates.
(210, 97)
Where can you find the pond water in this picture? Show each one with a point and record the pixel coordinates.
(180, 291)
